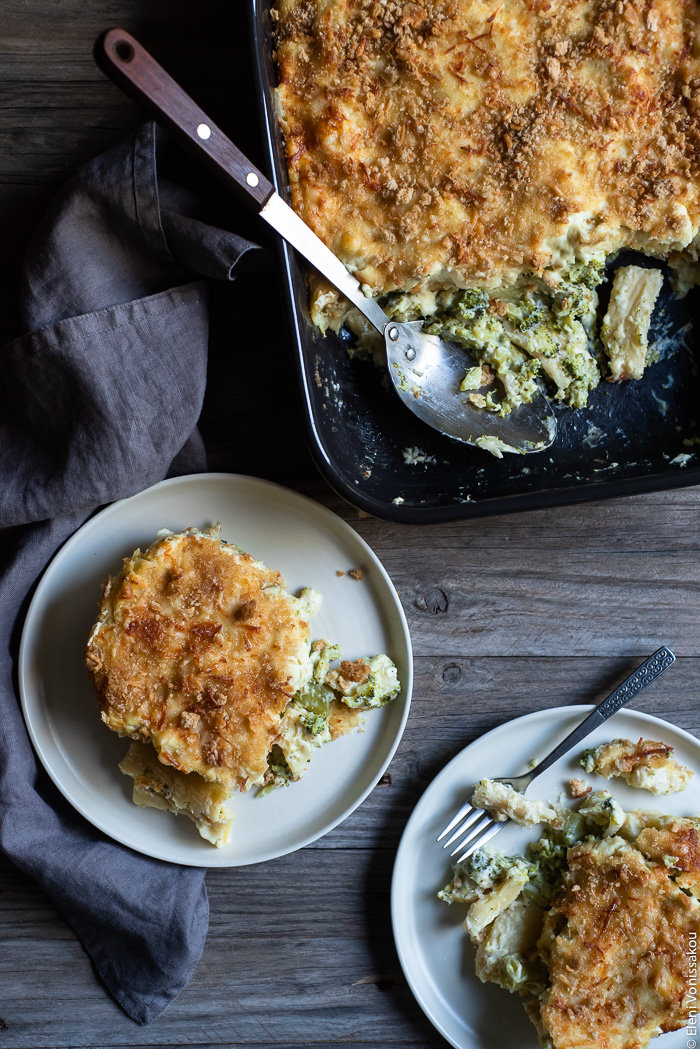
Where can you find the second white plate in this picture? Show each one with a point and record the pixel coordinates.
(436, 954)
(309, 545)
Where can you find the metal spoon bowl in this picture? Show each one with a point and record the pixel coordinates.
(427, 373)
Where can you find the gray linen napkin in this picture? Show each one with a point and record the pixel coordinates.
(98, 401)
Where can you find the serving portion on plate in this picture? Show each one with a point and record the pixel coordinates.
(592, 926)
(203, 658)
(206, 661)
(587, 920)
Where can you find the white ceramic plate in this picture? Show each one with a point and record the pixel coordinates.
(435, 952)
(308, 544)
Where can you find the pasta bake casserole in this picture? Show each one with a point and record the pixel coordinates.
(592, 927)
(476, 162)
(205, 661)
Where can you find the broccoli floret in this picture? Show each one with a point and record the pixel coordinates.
(482, 870)
(312, 703)
(526, 314)
(379, 688)
(399, 305)
(313, 700)
(322, 655)
(601, 810)
(584, 377)
(316, 724)
(575, 296)
(588, 274)
(587, 759)
(278, 775)
(549, 856)
(473, 302)
(572, 828)
(544, 339)
(485, 868)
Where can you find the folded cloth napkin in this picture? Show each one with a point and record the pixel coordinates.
(98, 401)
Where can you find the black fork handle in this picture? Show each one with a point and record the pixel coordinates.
(644, 675)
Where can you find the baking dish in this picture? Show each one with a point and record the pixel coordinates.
(633, 437)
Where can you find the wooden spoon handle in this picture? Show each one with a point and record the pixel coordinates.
(133, 69)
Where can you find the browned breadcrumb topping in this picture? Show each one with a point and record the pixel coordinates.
(342, 719)
(457, 138)
(194, 652)
(647, 749)
(339, 573)
(356, 573)
(679, 839)
(247, 609)
(354, 671)
(615, 943)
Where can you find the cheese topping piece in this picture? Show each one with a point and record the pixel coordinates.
(647, 764)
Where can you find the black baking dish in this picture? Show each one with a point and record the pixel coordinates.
(633, 437)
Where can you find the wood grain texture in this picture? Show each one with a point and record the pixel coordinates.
(507, 615)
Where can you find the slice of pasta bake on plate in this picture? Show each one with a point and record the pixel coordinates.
(594, 926)
(204, 660)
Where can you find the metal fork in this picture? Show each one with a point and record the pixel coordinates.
(479, 827)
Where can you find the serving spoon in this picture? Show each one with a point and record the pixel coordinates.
(426, 371)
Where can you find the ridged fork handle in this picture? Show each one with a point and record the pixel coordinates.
(644, 675)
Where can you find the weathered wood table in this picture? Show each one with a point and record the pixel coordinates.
(507, 615)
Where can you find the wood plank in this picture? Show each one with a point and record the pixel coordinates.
(53, 42)
(51, 146)
(267, 976)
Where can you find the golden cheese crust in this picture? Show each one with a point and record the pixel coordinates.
(677, 843)
(198, 649)
(616, 943)
(469, 141)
